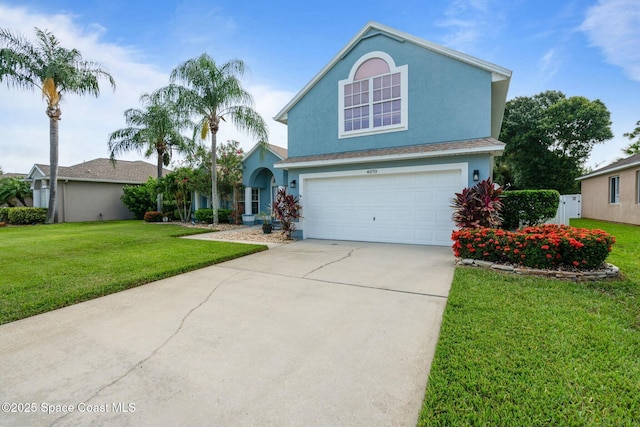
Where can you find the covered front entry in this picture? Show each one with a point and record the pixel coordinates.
(394, 205)
(259, 197)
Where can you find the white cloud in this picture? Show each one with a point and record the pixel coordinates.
(468, 20)
(548, 65)
(86, 121)
(614, 27)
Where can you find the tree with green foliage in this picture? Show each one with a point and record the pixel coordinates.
(179, 186)
(215, 94)
(229, 173)
(230, 157)
(55, 71)
(14, 189)
(154, 129)
(634, 136)
(140, 199)
(549, 137)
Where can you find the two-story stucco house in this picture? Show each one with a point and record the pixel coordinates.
(381, 139)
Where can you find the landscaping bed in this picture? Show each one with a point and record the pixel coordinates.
(544, 246)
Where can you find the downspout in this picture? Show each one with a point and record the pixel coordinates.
(64, 200)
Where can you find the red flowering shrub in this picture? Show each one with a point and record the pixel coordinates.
(153, 216)
(545, 246)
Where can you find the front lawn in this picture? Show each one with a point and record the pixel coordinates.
(532, 351)
(47, 267)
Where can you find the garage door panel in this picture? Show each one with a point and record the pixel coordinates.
(407, 207)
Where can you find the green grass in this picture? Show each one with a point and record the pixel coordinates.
(47, 267)
(517, 351)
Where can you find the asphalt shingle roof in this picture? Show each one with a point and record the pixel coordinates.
(282, 152)
(103, 170)
(617, 165)
(447, 148)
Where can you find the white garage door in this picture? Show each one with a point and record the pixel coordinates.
(378, 206)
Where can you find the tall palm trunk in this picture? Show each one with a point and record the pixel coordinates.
(214, 172)
(159, 195)
(54, 116)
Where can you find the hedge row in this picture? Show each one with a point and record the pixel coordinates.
(23, 215)
(205, 215)
(528, 207)
(546, 246)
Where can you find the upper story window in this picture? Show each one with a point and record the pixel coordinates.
(374, 98)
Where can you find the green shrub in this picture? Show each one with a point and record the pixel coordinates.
(170, 208)
(4, 214)
(205, 215)
(224, 216)
(23, 216)
(528, 207)
(546, 246)
(153, 216)
(140, 198)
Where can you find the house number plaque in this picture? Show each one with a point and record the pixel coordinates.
(372, 171)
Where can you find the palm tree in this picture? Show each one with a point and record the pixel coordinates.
(154, 129)
(215, 93)
(12, 188)
(55, 71)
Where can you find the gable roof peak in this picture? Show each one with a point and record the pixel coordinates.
(280, 152)
(498, 74)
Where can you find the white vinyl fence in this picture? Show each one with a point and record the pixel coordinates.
(569, 207)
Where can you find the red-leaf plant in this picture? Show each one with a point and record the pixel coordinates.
(287, 209)
(478, 206)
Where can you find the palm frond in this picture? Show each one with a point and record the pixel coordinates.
(50, 91)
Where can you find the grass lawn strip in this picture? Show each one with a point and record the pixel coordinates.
(534, 351)
(47, 267)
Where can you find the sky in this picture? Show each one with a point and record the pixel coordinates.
(587, 48)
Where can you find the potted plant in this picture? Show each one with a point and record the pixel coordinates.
(267, 225)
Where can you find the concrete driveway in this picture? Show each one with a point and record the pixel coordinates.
(315, 333)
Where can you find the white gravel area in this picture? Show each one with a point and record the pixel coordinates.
(243, 233)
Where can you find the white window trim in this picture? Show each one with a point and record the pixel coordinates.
(614, 198)
(257, 190)
(404, 98)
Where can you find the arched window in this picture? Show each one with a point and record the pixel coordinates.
(374, 97)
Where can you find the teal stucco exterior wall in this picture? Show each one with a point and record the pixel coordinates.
(449, 100)
(258, 171)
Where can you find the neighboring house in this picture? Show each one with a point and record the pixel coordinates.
(28, 200)
(383, 136)
(612, 193)
(90, 191)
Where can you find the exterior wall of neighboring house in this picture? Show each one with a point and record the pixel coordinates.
(90, 201)
(597, 199)
(448, 100)
(91, 190)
